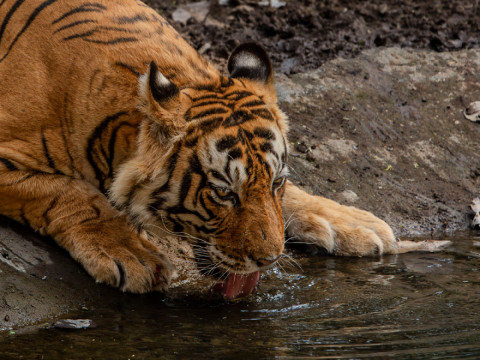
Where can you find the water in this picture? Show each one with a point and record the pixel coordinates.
(409, 306)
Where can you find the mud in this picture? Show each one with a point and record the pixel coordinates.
(383, 131)
(303, 34)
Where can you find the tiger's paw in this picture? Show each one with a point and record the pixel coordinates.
(132, 264)
(340, 230)
(353, 233)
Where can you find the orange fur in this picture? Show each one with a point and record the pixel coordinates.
(111, 126)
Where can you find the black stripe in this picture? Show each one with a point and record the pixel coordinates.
(263, 113)
(87, 7)
(235, 153)
(191, 142)
(50, 161)
(264, 133)
(219, 176)
(180, 210)
(253, 103)
(64, 128)
(49, 208)
(226, 143)
(128, 67)
(114, 41)
(211, 102)
(132, 19)
(204, 97)
(81, 35)
(226, 170)
(90, 152)
(226, 82)
(196, 165)
(98, 29)
(208, 125)
(32, 17)
(46, 152)
(267, 147)
(172, 162)
(210, 112)
(18, 181)
(111, 145)
(75, 23)
(204, 229)
(9, 15)
(185, 186)
(238, 95)
(188, 113)
(237, 118)
(116, 28)
(8, 164)
(209, 212)
(158, 203)
(249, 167)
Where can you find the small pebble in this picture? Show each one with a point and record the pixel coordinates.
(302, 148)
(74, 324)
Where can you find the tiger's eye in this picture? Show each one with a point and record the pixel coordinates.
(222, 192)
(277, 183)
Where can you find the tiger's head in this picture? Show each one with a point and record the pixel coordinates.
(211, 163)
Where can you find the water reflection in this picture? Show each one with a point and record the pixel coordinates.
(420, 305)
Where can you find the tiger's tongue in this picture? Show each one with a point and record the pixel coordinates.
(238, 285)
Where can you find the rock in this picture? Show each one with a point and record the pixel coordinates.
(301, 147)
(77, 324)
(197, 10)
(181, 15)
(273, 3)
(475, 206)
(349, 196)
(472, 112)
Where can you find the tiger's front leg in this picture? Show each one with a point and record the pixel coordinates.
(80, 218)
(341, 230)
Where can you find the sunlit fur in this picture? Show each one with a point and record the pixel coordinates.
(93, 156)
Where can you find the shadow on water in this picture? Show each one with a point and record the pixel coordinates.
(418, 305)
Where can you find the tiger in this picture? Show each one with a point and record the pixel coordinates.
(115, 131)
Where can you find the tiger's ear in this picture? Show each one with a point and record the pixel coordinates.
(159, 98)
(250, 61)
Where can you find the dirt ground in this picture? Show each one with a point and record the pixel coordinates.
(303, 34)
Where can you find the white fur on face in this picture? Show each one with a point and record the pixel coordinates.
(279, 169)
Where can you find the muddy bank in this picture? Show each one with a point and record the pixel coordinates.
(384, 132)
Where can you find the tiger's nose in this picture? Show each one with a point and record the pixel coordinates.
(267, 261)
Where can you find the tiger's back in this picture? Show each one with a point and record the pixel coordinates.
(69, 73)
